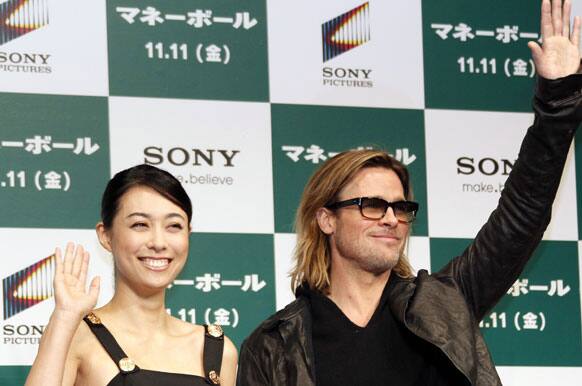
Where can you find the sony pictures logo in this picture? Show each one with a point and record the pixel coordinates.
(22, 290)
(339, 35)
(18, 18)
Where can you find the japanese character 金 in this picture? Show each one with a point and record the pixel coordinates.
(213, 53)
(52, 180)
(222, 317)
(519, 67)
(530, 321)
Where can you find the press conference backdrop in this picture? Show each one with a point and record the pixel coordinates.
(242, 100)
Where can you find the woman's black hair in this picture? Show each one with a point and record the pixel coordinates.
(142, 175)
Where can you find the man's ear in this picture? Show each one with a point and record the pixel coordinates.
(326, 220)
(103, 236)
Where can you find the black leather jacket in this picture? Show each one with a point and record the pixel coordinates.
(445, 308)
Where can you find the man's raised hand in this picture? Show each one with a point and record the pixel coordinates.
(559, 54)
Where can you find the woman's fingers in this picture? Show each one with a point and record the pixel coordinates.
(94, 289)
(78, 261)
(58, 261)
(69, 256)
(71, 292)
(84, 269)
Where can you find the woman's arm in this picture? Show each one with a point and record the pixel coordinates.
(229, 362)
(54, 366)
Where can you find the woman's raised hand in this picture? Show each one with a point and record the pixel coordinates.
(71, 295)
(559, 54)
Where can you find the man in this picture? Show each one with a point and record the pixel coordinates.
(361, 317)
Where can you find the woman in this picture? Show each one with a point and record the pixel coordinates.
(145, 224)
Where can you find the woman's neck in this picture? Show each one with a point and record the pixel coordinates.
(146, 311)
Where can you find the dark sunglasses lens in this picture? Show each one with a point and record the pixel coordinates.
(374, 208)
(405, 210)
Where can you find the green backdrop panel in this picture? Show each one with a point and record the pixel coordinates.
(475, 55)
(526, 328)
(199, 50)
(229, 279)
(304, 136)
(54, 160)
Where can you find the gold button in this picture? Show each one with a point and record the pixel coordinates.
(215, 331)
(93, 318)
(126, 364)
(214, 378)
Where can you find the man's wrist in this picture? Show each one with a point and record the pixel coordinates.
(555, 90)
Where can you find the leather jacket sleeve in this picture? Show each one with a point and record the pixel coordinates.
(494, 260)
(250, 372)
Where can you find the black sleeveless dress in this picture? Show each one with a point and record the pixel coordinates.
(131, 375)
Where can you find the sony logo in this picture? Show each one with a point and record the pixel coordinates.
(22, 330)
(24, 58)
(180, 156)
(487, 166)
(346, 73)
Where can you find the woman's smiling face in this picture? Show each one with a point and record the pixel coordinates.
(148, 238)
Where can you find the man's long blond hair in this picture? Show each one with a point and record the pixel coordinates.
(312, 255)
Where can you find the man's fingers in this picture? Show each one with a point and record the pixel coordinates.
(557, 16)
(566, 11)
(546, 26)
(536, 50)
(576, 32)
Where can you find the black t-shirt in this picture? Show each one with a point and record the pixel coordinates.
(382, 353)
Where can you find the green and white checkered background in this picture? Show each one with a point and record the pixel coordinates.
(234, 98)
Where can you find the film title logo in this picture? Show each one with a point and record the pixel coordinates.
(204, 158)
(21, 291)
(18, 18)
(342, 34)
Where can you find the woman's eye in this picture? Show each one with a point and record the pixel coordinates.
(176, 226)
(139, 225)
